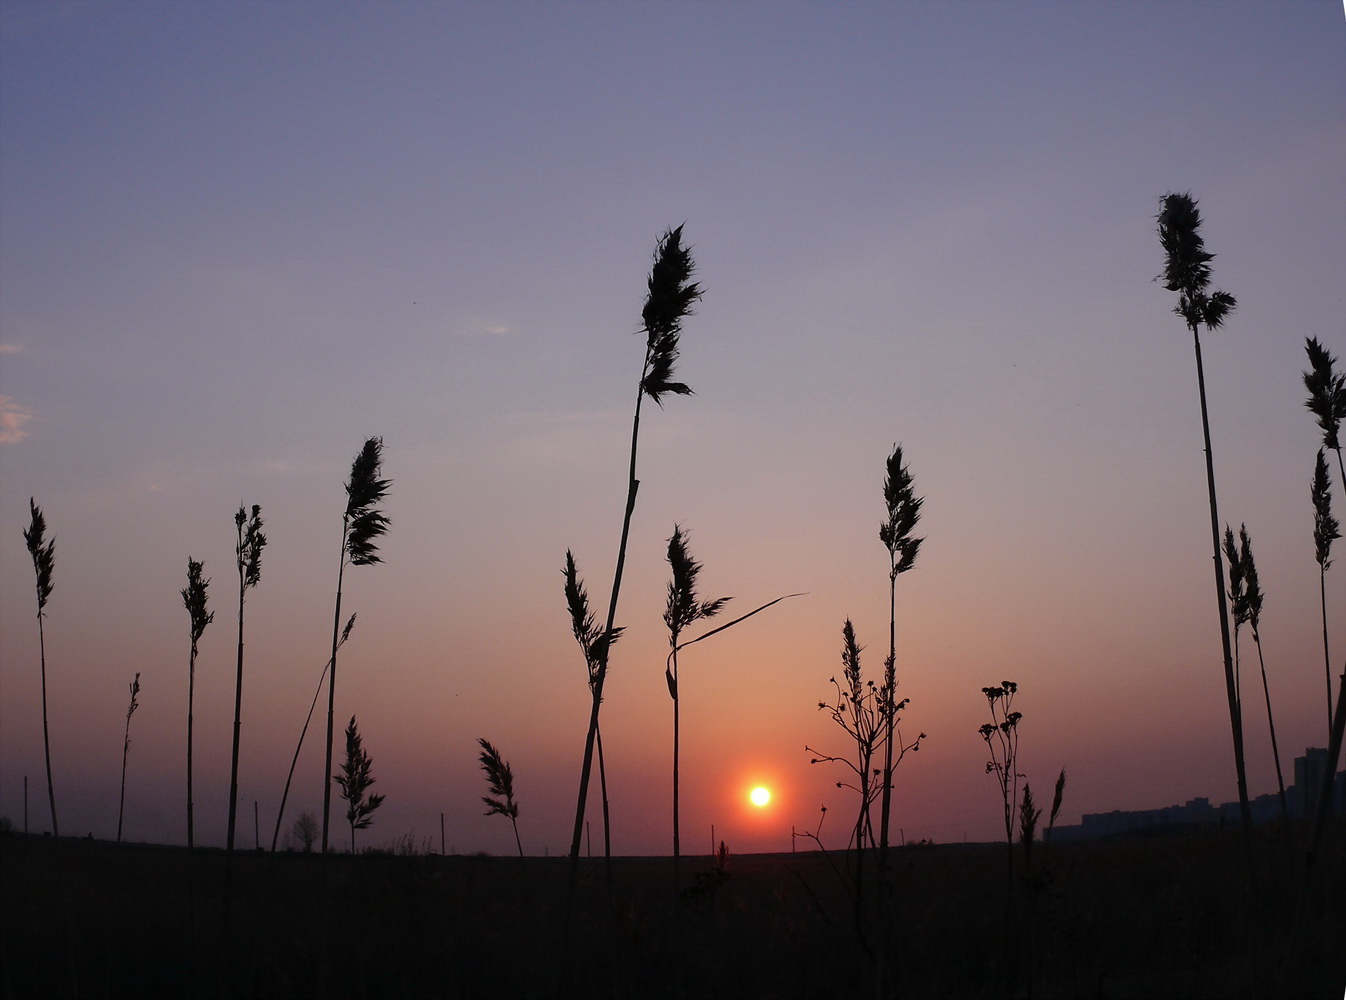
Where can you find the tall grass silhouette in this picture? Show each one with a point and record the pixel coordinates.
(1187, 272)
(670, 293)
(248, 556)
(1245, 599)
(299, 745)
(683, 609)
(1327, 402)
(593, 644)
(1326, 530)
(355, 779)
(500, 782)
(904, 510)
(361, 525)
(126, 751)
(194, 600)
(44, 565)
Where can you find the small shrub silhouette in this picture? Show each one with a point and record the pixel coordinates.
(355, 780)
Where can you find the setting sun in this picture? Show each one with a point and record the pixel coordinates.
(760, 796)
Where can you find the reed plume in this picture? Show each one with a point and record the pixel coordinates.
(500, 781)
(1327, 402)
(904, 510)
(1248, 608)
(670, 293)
(593, 644)
(248, 555)
(194, 600)
(1325, 531)
(44, 564)
(355, 780)
(682, 609)
(126, 750)
(1187, 271)
(362, 525)
(1327, 395)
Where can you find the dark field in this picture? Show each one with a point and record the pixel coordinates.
(1182, 915)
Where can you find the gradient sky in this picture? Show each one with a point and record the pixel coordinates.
(237, 239)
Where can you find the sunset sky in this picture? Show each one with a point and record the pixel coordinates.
(238, 239)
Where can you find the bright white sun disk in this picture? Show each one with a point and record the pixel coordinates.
(760, 796)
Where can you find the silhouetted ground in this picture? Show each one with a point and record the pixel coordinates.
(1180, 915)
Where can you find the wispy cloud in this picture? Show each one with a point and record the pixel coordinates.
(11, 348)
(498, 329)
(12, 418)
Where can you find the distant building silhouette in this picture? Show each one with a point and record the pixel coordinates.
(1301, 801)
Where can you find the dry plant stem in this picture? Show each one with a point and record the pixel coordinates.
(46, 736)
(1330, 769)
(280, 813)
(1231, 687)
(331, 698)
(126, 750)
(1271, 725)
(248, 551)
(600, 675)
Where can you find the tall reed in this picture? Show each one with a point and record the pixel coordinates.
(194, 600)
(361, 524)
(1327, 402)
(126, 750)
(355, 780)
(500, 781)
(248, 555)
(670, 293)
(682, 609)
(1248, 608)
(1187, 272)
(904, 510)
(593, 645)
(1325, 531)
(44, 563)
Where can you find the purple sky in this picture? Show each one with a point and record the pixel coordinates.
(237, 239)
